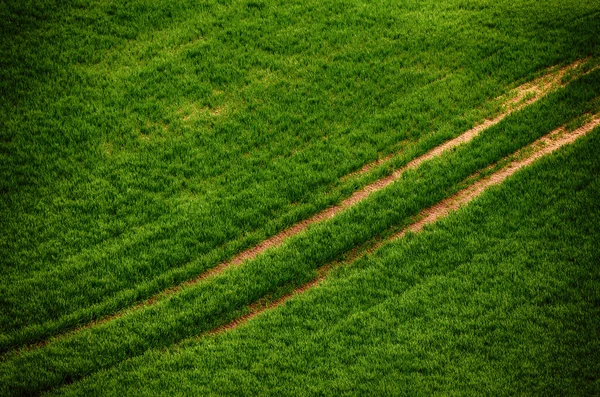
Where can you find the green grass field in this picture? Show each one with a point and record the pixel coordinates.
(144, 142)
(501, 298)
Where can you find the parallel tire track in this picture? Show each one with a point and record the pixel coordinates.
(541, 147)
(524, 95)
(519, 97)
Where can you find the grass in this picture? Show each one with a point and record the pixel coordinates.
(219, 300)
(499, 298)
(144, 143)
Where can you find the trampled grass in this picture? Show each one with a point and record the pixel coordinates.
(143, 143)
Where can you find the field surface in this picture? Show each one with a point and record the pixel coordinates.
(299, 198)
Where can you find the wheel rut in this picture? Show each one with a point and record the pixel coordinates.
(526, 156)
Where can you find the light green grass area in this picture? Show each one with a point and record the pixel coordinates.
(144, 142)
(500, 298)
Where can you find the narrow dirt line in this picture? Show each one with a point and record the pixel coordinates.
(257, 309)
(520, 97)
(541, 147)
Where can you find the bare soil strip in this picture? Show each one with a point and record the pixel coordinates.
(541, 147)
(518, 98)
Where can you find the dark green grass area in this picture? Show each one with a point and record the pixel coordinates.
(501, 298)
(144, 142)
(217, 301)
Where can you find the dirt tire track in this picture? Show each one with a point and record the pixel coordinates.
(537, 88)
(255, 309)
(540, 86)
(516, 99)
(541, 147)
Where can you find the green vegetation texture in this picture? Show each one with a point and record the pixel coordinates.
(221, 299)
(144, 142)
(500, 298)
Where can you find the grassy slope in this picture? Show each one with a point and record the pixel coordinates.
(144, 142)
(502, 297)
(217, 301)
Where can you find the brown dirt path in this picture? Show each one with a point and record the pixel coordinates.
(541, 147)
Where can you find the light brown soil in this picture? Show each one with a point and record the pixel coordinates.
(543, 146)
